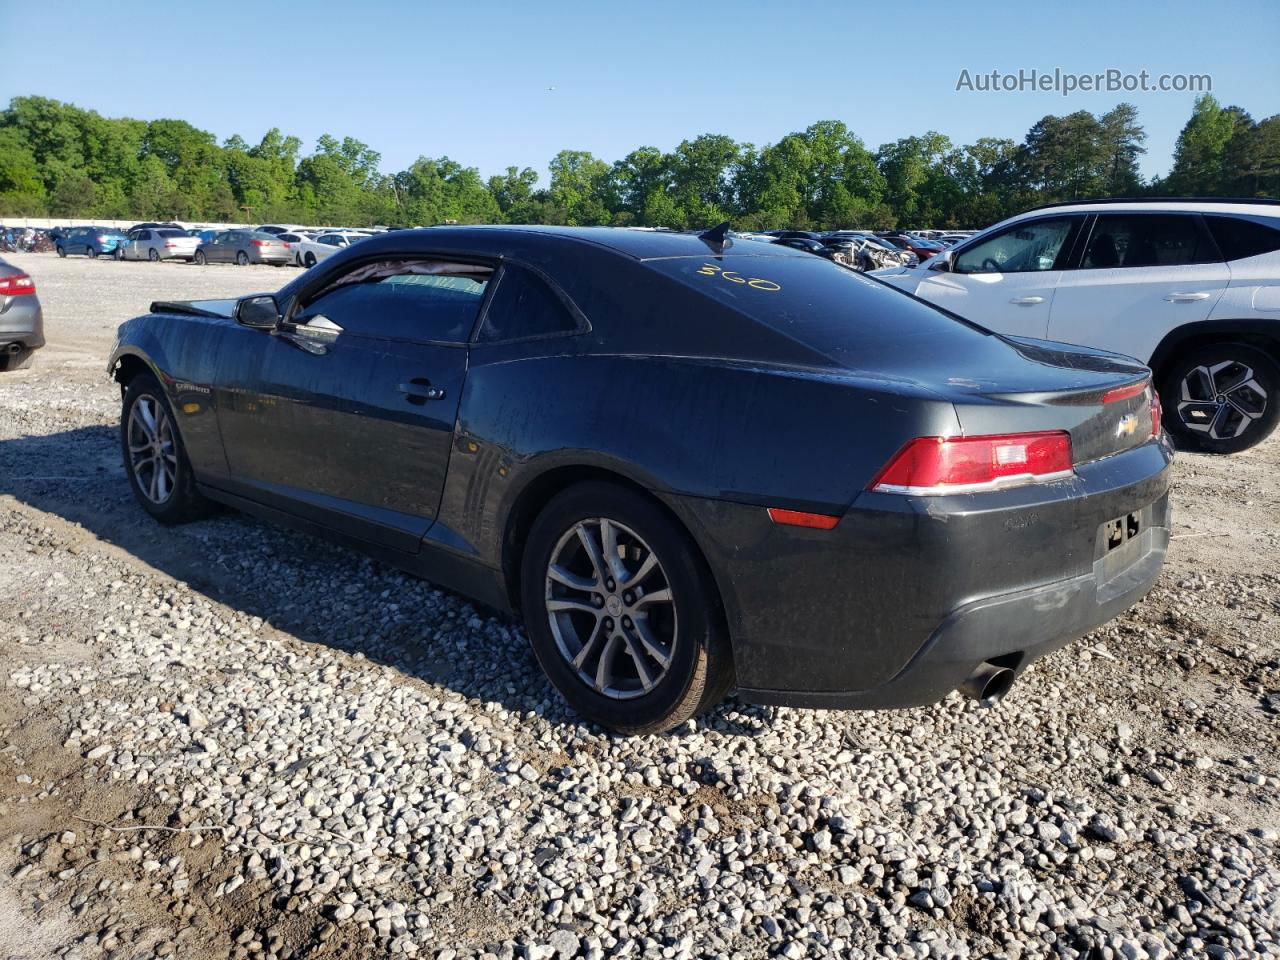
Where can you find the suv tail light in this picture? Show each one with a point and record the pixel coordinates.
(1156, 411)
(19, 285)
(933, 466)
(103, 238)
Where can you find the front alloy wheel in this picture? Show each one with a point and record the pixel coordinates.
(154, 457)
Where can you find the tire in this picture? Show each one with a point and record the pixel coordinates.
(310, 260)
(61, 251)
(91, 253)
(17, 361)
(173, 499)
(242, 259)
(1220, 397)
(153, 255)
(117, 254)
(605, 623)
(199, 258)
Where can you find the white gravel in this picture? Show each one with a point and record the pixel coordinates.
(349, 762)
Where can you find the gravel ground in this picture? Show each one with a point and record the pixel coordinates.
(227, 740)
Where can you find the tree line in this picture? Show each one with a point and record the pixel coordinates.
(61, 160)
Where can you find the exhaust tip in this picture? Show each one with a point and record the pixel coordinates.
(988, 684)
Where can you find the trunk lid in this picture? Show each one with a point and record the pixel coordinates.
(1102, 400)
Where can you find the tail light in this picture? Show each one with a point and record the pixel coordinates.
(1126, 392)
(1156, 411)
(258, 243)
(103, 238)
(933, 466)
(19, 285)
(169, 244)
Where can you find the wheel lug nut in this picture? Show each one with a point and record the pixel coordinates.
(609, 584)
(598, 600)
(626, 621)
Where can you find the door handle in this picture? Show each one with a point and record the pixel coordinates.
(1186, 297)
(420, 390)
(1027, 301)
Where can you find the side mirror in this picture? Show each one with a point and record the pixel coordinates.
(943, 261)
(260, 312)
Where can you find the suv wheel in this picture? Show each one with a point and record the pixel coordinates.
(154, 457)
(622, 612)
(62, 252)
(1221, 398)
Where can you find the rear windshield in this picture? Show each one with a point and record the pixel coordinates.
(837, 311)
(171, 233)
(260, 235)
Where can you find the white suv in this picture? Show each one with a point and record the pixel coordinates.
(1190, 287)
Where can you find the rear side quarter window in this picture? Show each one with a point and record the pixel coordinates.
(523, 307)
(1240, 237)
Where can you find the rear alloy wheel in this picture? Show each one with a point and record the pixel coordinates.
(1221, 398)
(242, 258)
(154, 457)
(621, 611)
(200, 258)
(153, 254)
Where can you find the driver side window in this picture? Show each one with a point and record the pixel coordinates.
(416, 300)
(1022, 248)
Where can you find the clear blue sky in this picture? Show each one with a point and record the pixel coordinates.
(471, 80)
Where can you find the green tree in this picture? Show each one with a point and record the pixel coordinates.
(1201, 146)
(1122, 138)
(579, 183)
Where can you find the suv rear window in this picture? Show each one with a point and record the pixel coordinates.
(1145, 240)
(1240, 237)
(171, 233)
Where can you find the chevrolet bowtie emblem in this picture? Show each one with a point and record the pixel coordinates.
(1127, 425)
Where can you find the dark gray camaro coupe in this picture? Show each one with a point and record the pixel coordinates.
(688, 462)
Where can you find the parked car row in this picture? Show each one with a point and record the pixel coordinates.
(271, 243)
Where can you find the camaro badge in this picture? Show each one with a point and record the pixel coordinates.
(1127, 425)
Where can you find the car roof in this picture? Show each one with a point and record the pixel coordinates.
(638, 244)
(1254, 206)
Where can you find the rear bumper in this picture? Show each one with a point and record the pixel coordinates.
(1011, 630)
(21, 322)
(900, 602)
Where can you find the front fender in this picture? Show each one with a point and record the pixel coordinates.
(181, 353)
